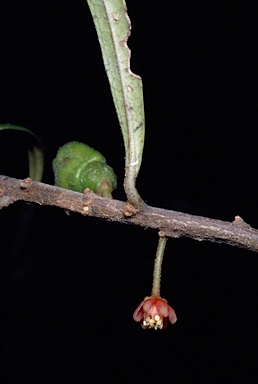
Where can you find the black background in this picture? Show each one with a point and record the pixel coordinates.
(71, 284)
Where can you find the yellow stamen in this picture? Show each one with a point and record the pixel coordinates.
(156, 322)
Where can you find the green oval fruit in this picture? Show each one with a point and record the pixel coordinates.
(78, 166)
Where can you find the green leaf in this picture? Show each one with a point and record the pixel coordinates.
(113, 28)
(35, 154)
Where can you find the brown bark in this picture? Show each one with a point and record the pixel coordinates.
(174, 224)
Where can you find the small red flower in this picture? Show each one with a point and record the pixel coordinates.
(154, 312)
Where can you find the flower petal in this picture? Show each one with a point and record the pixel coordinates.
(138, 313)
(172, 315)
(162, 307)
(148, 303)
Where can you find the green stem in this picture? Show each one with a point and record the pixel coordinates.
(157, 267)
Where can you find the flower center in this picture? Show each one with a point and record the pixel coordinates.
(155, 322)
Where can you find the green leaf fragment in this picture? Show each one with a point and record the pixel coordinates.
(35, 154)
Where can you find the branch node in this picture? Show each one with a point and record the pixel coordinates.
(176, 234)
(129, 209)
(86, 210)
(240, 222)
(26, 183)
